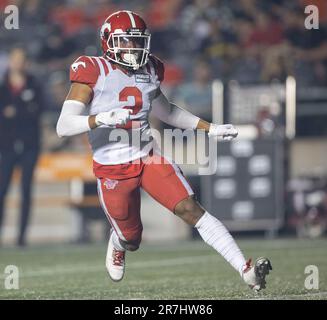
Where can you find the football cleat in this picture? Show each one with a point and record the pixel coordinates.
(115, 261)
(255, 275)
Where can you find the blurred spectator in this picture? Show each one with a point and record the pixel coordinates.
(162, 13)
(195, 22)
(308, 47)
(267, 31)
(245, 9)
(72, 17)
(161, 20)
(20, 111)
(57, 50)
(195, 95)
(220, 48)
(261, 41)
(32, 12)
(245, 64)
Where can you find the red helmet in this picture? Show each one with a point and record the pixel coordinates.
(125, 39)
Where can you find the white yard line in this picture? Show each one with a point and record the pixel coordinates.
(70, 269)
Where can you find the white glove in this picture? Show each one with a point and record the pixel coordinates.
(113, 117)
(226, 131)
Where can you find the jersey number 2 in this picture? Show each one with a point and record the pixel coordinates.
(123, 96)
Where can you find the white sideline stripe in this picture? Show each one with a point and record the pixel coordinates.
(131, 18)
(103, 204)
(102, 72)
(181, 177)
(69, 269)
(90, 60)
(107, 63)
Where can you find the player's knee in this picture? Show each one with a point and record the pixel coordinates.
(186, 206)
(132, 240)
(189, 210)
(130, 245)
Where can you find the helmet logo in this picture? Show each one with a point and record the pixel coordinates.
(77, 64)
(106, 26)
(125, 39)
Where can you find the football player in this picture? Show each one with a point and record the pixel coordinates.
(118, 90)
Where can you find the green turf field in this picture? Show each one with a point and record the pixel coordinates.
(189, 270)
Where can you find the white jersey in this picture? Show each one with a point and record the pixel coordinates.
(112, 89)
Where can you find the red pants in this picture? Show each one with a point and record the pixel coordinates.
(119, 191)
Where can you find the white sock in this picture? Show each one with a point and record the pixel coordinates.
(116, 242)
(215, 234)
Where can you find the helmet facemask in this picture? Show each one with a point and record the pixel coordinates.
(129, 49)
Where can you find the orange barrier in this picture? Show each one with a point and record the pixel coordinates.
(61, 167)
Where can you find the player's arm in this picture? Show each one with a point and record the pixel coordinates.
(181, 118)
(172, 114)
(73, 119)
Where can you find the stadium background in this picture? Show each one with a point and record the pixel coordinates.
(251, 47)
